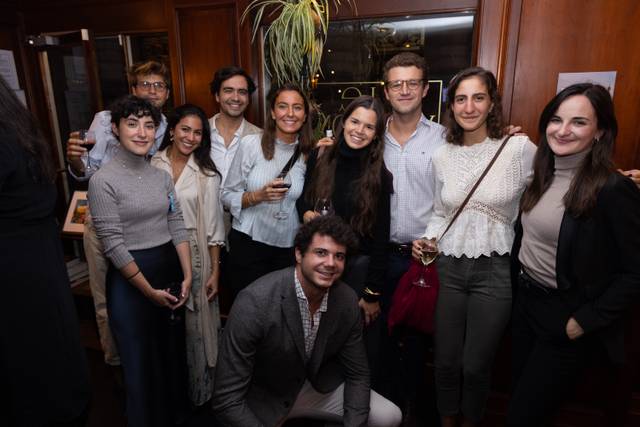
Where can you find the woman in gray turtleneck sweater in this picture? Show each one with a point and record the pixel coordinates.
(575, 254)
(139, 222)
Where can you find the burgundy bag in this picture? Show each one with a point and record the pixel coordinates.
(414, 305)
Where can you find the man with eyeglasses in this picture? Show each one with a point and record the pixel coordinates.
(232, 88)
(410, 141)
(150, 81)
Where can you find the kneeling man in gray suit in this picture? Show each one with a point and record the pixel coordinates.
(292, 346)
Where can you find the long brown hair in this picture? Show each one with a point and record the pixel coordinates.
(455, 133)
(596, 167)
(305, 136)
(369, 185)
(202, 154)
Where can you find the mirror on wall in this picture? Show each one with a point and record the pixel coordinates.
(356, 51)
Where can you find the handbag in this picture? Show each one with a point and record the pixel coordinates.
(414, 301)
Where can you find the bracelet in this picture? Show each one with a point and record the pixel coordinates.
(370, 292)
(133, 275)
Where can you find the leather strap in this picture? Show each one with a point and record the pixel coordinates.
(290, 163)
(484, 173)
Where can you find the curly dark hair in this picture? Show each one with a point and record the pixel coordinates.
(596, 167)
(202, 154)
(132, 105)
(226, 73)
(305, 136)
(330, 225)
(369, 185)
(495, 121)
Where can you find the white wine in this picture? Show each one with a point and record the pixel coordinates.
(428, 256)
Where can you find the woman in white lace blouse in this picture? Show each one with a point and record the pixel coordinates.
(185, 155)
(474, 302)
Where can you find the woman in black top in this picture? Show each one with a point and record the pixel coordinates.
(575, 254)
(353, 176)
(43, 370)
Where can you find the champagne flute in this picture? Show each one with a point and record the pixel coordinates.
(284, 182)
(88, 138)
(324, 207)
(429, 253)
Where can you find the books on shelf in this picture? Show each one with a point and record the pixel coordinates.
(78, 271)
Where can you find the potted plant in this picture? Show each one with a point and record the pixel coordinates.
(295, 37)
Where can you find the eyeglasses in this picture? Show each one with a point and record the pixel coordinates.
(146, 86)
(396, 85)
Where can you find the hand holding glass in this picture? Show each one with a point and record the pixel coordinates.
(283, 182)
(88, 138)
(429, 253)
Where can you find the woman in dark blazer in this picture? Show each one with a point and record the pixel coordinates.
(576, 262)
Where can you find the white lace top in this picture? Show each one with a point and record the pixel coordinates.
(486, 223)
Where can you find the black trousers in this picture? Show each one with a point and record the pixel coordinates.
(249, 260)
(546, 363)
(152, 348)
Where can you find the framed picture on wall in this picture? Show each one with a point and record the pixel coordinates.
(76, 214)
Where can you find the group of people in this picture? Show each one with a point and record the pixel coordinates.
(173, 201)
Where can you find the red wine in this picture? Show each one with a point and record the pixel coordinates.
(282, 185)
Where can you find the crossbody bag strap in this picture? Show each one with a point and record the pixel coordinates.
(294, 158)
(484, 173)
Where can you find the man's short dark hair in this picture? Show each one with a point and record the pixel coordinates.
(332, 226)
(406, 59)
(225, 74)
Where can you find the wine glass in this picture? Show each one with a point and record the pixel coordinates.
(88, 138)
(175, 290)
(284, 181)
(429, 253)
(324, 207)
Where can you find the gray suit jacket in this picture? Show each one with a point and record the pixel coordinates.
(261, 364)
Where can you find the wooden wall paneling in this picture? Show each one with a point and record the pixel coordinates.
(204, 39)
(101, 16)
(574, 36)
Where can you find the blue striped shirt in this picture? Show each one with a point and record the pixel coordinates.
(413, 179)
(250, 171)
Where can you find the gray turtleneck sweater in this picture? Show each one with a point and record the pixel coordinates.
(133, 206)
(541, 225)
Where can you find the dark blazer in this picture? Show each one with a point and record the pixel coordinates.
(598, 262)
(261, 364)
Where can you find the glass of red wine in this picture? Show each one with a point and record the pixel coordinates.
(282, 181)
(88, 138)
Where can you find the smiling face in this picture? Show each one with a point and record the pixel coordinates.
(360, 128)
(233, 96)
(471, 105)
(404, 100)
(321, 265)
(187, 135)
(148, 91)
(289, 115)
(136, 134)
(573, 127)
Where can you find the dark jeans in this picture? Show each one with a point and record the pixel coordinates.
(473, 309)
(249, 260)
(151, 347)
(546, 363)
